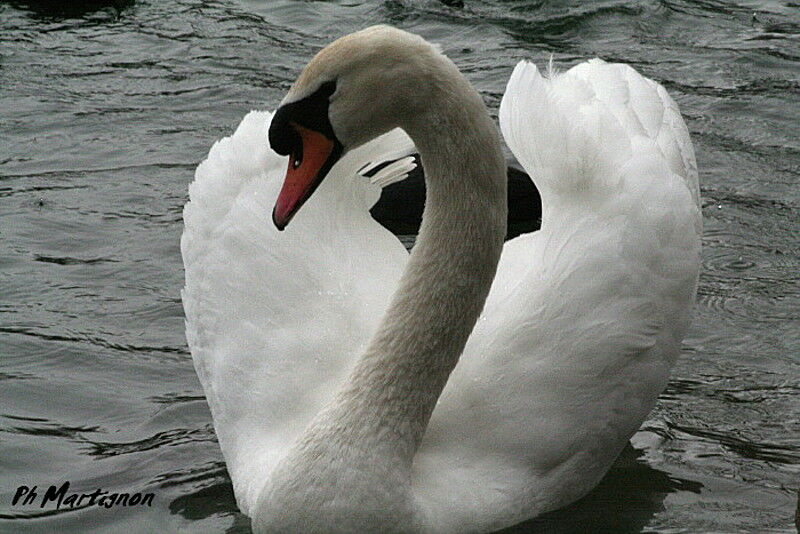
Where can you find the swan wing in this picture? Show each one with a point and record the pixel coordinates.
(275, 320)
(585, 316)
(569, 128)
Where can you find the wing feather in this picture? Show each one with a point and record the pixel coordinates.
(585, 316)
(275, 320)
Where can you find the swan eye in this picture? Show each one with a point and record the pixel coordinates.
(297, 152)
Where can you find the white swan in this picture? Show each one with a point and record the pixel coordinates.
(325, 349)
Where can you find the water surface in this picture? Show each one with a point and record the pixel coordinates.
(107, 107)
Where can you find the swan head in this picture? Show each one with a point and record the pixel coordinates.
(354, 90)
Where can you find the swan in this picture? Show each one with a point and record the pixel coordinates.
(469, 385)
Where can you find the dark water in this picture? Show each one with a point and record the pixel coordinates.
(107, 107)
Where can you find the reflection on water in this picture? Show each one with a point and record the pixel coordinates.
(625, 501)
(107, 106)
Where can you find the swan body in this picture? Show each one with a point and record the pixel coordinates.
(470, 385)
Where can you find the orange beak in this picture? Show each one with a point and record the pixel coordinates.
(308, 165)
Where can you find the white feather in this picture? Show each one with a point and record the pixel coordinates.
(274, 319)
(576, 339)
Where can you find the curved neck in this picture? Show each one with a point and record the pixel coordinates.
(395, 385)
(363, 443)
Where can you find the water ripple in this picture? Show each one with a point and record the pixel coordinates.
(108, 106)
(95, 341)
(167, 438)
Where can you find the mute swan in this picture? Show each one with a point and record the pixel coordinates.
(328, 353)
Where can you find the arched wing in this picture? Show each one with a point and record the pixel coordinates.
(585, 316)
(275, 319)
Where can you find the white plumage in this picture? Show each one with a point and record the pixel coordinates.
(276, 320)
(575, 342)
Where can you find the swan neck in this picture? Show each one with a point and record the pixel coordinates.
(363, 443)
(397, 382)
